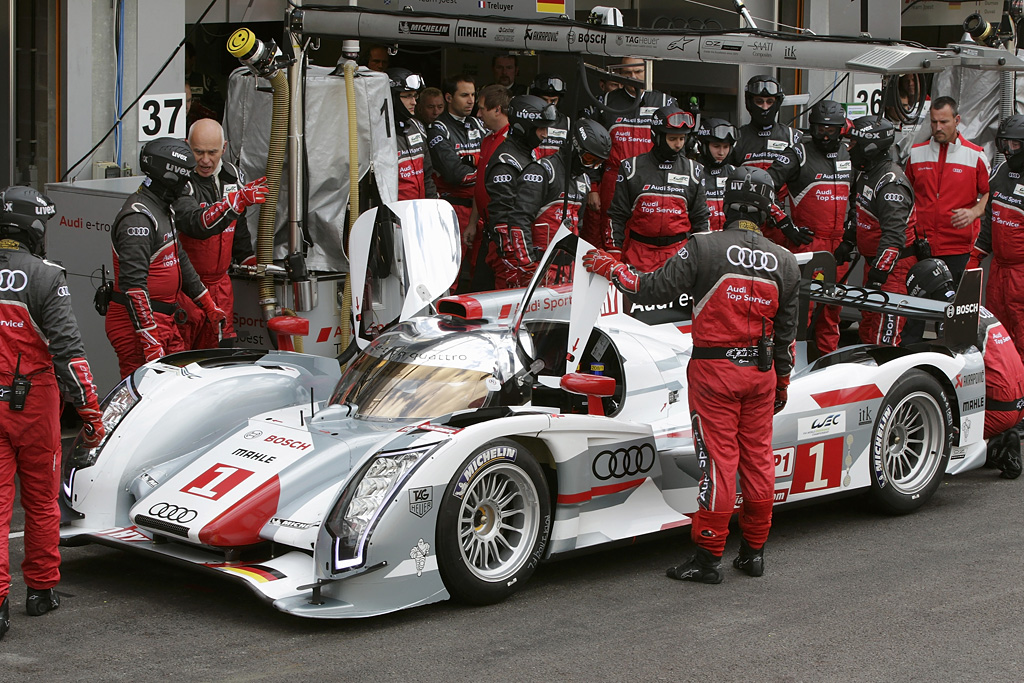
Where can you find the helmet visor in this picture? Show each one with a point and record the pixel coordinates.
(591, 160)
(720, 132)
(411, 82)
(681, 121)
(764, 88)
(551, 85)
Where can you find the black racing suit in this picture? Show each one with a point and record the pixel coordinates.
(454, 146)
(510, 254)
(656, 206)
(558, 135)
(761, 146)
(714, 178)
(744, 287)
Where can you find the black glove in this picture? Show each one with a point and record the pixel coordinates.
(781, 393)
(876, 278)
(844, 252)
(798, 236)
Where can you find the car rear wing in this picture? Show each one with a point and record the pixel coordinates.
(959, 319)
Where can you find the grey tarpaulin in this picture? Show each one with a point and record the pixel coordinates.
(247, 128)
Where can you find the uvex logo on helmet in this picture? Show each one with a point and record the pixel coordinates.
(178, 155)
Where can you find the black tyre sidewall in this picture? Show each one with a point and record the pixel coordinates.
(460, 582)
(882, 491)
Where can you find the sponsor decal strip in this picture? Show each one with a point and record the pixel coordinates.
(597, 491)
(866, 392)
(257, 572)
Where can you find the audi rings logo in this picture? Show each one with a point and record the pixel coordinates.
(623, 462)
(137, 232)
(502, 178)
(755, 259)
(254, 434)
(173, 513)
(63, 291)
(12, 280)
(533, 177)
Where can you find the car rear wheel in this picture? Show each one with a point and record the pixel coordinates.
(493, 524)
(911, 443)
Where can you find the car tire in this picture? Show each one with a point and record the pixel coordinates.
(493, 524)
(911, 443)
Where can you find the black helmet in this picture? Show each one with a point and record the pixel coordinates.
(763, 86)
(824, 115)
(930, 279)
(872, 137)
(527, 113)
(591, 145)
(548, 85)
(24, 215)
(168, 162)
(403, 80)
(749, 190)
(1012, 129)
(714, 130)
(668, 120)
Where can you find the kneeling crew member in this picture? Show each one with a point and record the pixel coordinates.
(743, 329)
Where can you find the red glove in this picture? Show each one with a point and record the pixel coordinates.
(248, 195)
(614, 252)
(151, 348)
(92, 425)
(213, 312)
(607, 266)
(977, 256)
(781, 393)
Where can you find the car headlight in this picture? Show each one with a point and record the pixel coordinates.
(367, 494)
(115, 406)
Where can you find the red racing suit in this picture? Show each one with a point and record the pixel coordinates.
(886, 230)
(714, 178)
(1002, 235)
(761, 147)
(1004, 376)
(149, 273)
(39, 336)
(539, 204)
(656, 206)
(818, 185)
(508, 254)
(212, 237)
(454, 150)
(415, 172)
(741, 284)
(631, 137)
(946, 177)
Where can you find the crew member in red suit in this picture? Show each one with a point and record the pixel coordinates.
(493, 111)
(210, 218)
(415, 174)
(41, 357)
(743, 327)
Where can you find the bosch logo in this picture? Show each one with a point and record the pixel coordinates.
(12, 280)
(173, 513)
(137, 232)
(253, 434)
(502, 178)
(289, 443)
(533, 178)
(755, 259)
(892, 197)
(623, 462)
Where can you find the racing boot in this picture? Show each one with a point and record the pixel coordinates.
(703, 567)
(749, 561)
(5, 617)
(1010, 463)
(40, 601)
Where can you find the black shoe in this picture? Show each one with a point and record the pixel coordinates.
(41, 601)
(1010, 463)
(702, 568)
(749, 561)
(5, 617)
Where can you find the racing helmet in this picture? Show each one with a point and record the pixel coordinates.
(403, 80)
(667, 120)
(527, 113)
(548, 85)
(714, 130)
(591, 145)
(168, 163)
(23, 217)
(749, 194)
(763, 86)
(824, 115)
(930, 278)
(1012, 129)
(871, 137)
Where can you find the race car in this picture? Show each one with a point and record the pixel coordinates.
(476, 436)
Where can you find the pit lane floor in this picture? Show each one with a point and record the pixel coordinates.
(848, 594)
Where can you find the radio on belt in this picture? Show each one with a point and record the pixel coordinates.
(19, 388)
(765, 348)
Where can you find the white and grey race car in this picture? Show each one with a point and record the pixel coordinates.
(478, 436)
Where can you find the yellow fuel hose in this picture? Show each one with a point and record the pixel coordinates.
(353, 192)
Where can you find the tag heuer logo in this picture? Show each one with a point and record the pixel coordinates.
(421, 500)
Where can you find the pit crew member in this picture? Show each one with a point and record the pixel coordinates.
(149, 269)
(818, 178)
(551, 88)
(210, 219)
(743, 328)
(415, 174)
(716, 138)
(660, 196)
(41, 357)
(493, 111)
(885, 228)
